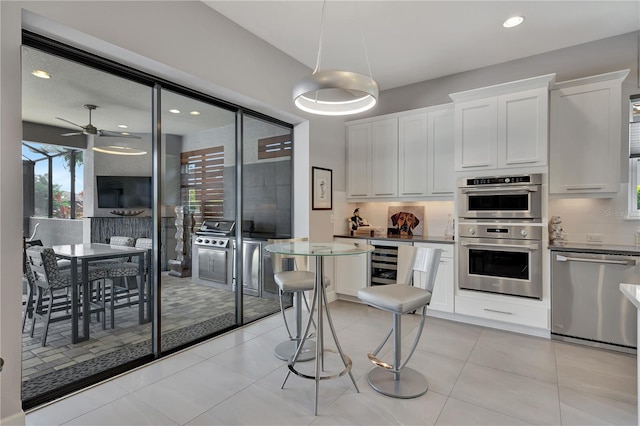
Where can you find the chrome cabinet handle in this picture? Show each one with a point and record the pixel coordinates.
(498, 312)
(582, 188)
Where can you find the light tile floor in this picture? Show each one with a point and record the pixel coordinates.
(477, 376)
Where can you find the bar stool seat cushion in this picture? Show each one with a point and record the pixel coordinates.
(296, 280)
(401, 298)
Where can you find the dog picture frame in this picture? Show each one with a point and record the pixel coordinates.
(321, 188)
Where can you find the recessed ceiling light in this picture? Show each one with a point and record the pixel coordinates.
(41, 74)
(195, 113)
(174, 111)
(513, 21)
(123, 126)
(125, 133)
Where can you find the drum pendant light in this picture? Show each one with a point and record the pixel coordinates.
(336, 92)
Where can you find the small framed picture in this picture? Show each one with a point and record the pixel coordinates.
(321, 188)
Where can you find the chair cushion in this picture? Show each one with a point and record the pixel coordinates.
(399, 298)
(295, 280)
(123, 269)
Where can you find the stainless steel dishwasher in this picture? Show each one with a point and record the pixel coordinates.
(586, 303)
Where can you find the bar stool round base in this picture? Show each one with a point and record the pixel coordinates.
(286, 350)
(412, 384)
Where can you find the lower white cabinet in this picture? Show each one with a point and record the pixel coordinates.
(442, 297)
(494, 308)
(351, 272)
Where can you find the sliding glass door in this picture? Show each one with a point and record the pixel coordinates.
(117, 157)
(198, 186)
(88, 168)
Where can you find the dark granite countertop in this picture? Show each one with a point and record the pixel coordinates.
(596, 248)
(411, 239)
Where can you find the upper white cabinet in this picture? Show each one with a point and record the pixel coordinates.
(585, 135)
(384, 158)
(372, 159)
(503, 126)
(406, 155)
(359, 161)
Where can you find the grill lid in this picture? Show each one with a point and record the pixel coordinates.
(217, 227)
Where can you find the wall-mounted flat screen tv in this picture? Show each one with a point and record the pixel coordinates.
(123, 192)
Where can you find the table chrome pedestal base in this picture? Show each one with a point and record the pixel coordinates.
(286, 350)
(411, 385)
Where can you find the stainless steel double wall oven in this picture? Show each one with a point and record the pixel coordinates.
(500, 235)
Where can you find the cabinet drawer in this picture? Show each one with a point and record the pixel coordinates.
(532, 316)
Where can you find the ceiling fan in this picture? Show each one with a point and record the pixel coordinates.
(90, 129)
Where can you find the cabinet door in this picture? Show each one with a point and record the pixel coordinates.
(351, 272)
(585, 138)
(442, 297)
(476, 134)
(413, 153)
(359, 161)
(441, 179)
(522, 128)
(384, 158)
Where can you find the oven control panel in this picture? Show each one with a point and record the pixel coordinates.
(500, 231)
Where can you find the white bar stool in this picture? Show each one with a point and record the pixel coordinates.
(396, 380)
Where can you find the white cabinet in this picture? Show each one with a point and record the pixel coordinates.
(413, 154)
(441, 180)
(425, 152)
(359, 161)
(503, 126)
(585, 135)
(384, 158)
(523, 123)
(535, 314)
(351, 272)
(407, 155)
(476, 135)
(372, 159)
(443, 290)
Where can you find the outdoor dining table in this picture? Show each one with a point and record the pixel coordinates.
(89, 252)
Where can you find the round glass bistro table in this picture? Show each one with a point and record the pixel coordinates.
(320, 307)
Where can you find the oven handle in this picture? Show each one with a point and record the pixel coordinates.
(515, 246)
(629, 262)
(509, 190)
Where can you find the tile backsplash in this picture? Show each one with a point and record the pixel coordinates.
(377, 214)
(605, 216)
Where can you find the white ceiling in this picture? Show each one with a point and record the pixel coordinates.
(412, 41)
(407, 42)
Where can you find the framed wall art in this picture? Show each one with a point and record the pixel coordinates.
(321, 188)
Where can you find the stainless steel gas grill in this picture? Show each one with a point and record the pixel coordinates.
(213, 253)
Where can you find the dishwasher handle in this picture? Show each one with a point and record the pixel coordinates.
(628, 262)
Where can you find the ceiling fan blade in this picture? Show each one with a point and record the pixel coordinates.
(72, 134)
(106, 133)
(70, 122)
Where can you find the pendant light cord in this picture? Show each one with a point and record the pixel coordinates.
(324, 3)
(364, 45)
